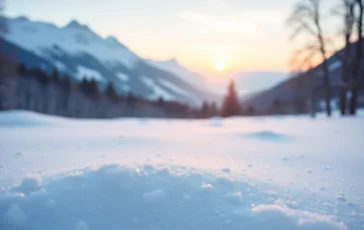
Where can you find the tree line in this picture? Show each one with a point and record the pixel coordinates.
(57, 94)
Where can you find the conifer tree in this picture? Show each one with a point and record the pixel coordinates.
(231, 106)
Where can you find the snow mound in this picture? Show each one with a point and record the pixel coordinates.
(18, 118)
(284, 218)
(267, 136)
(215, 122)
(112, 196)
(31, 183)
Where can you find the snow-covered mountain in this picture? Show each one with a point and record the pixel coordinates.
(77, 50)
(174, 67)
(258, 81)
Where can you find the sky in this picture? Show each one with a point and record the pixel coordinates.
(203, 35)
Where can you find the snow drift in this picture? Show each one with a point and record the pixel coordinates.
(114, 197)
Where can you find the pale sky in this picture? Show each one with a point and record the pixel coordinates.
(243, 35)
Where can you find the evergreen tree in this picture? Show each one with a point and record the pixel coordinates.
(131, 99)
(213, 109)
(66, 82)
(205, 110)
(111, 93)
(276, 106)
(22, 69)
(160, 102)
(231, 106)
(251, 110)
(55, 75)
(89, 87)
(94, 90)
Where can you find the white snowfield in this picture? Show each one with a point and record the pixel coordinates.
(238, 173)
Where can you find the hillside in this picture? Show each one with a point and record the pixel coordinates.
(298, 87)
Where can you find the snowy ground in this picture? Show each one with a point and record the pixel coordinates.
(238, 173)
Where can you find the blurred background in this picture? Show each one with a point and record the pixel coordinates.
(186, 59)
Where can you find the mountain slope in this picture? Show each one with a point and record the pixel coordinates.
(299, 86)
(252, 82)
(77, 50)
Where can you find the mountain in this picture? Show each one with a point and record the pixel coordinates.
(298, 87)
(249, 83)
(80, 52)
(186, 75)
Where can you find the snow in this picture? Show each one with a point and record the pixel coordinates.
(30, 184)
(220, 177)
(60, 66)
(335, 65)
(126, 88)
(178, 90)
(73, 39)
(123, 77)
(173, 67)
(285, 218)
(89, 74)
(156, 89)
(15, 216)
(81, 226)
(153, 197)
(195, 79)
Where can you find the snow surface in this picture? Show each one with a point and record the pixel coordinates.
(178, 90)
(156, 89)
(89, 74)
(335, 65)
(123, 77)
(172, 66)
(238, 173)
(60, 65)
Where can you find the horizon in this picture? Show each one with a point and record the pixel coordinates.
(211, 41)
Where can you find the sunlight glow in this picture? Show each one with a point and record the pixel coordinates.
(220, 66)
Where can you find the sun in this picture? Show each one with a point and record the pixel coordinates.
(220, 66)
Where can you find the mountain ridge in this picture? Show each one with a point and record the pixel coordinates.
(76, 50)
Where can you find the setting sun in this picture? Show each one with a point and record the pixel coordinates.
(220, 66)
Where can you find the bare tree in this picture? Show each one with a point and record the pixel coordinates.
(357, 66)
(347, 12)
(301, 63)
(307, 18)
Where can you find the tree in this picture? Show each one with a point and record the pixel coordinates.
(205, 110)
(231, 106)
(55, 76)
(346, 58)
(111, 93)
(213, 109)
(89, 87)
(276, 106)
(357, 66)
(299, 105)
(160, 102)
(251, 110)
(65, 82)
(22, 69)
(307, 18)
